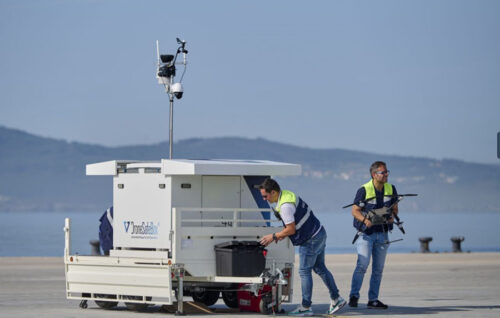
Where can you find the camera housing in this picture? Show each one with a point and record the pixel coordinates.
(177, 89)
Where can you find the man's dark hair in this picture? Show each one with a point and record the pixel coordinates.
(376, 165)
(270, 185)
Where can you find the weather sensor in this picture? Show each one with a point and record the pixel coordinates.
(165, 74)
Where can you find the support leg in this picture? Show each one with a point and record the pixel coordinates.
(179, 273)
(83, 304)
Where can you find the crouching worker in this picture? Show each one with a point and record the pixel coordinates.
(106, 231)
(305, 231)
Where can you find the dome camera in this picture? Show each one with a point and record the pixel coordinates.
(178, 90)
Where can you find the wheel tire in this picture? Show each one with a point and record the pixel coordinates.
(105, 304)
(208, 297)
(136, 306)
(230, 298)
(263, 306)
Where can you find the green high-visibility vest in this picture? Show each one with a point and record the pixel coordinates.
(286, 197)
(370, 189)
(306, 224)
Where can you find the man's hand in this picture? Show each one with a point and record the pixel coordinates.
(356, 213)
(278, 236)
(267, 239)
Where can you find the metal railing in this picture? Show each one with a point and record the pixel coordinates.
(233, 221)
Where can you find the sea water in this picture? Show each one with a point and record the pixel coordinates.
(41, 233)
(478, 229)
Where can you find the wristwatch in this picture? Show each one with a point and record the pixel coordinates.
(274, 237)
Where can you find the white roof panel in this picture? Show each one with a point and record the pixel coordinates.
(229, 167)
(110, 168)
(200, 167)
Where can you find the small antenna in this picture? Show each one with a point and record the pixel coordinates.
(158, 51)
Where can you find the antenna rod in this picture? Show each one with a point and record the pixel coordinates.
(171, 125)
(158, 51)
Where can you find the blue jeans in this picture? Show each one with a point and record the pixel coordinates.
(312, 257)
(372, 245)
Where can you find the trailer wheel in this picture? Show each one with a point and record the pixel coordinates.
(105, 304)
(208, 297)
(230, 298)
(263, 305)
(136, 306)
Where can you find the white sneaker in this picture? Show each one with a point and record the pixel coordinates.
(336, 305)
(301, 312)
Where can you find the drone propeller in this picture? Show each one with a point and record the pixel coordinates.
(401, 195)
(363, 202)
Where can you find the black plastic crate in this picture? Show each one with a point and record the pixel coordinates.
(240, 258)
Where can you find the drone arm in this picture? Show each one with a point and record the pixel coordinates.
(395, 210)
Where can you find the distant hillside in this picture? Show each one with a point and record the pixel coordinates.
(44, 174)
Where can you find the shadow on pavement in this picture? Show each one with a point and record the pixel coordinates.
(398, 310)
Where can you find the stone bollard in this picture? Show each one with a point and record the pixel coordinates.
(456, 241)
(424, 244)
(94, 247)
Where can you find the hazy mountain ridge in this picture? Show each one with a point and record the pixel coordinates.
(45, 174)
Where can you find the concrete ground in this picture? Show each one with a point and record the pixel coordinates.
(441, 285)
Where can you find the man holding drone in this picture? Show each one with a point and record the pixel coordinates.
(379, 196)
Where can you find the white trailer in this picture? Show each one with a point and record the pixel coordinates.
(168, 216)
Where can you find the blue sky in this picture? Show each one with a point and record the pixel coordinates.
(419, 78)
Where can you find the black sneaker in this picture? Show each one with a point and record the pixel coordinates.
(353, 301)
(377, 304)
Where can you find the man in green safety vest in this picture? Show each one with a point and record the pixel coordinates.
(305, 231)
(372, 242)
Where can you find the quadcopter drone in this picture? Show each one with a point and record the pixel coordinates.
(381, 216)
